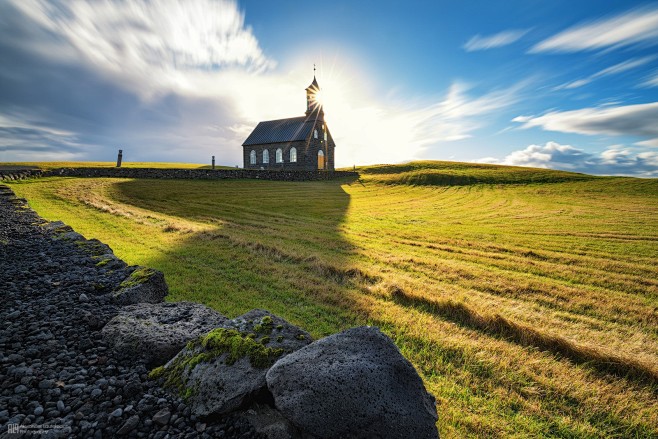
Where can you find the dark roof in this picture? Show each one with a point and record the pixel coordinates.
(282, 130)
(314, 85)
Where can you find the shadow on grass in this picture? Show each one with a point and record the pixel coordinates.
(273, 245)
(498, 326)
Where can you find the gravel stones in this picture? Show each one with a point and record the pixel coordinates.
(129, 425)
(162, 417)
(51, 347)
(157, 332)
(354, 384)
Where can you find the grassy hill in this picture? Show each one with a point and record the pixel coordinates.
(436, 173)
(527, 299)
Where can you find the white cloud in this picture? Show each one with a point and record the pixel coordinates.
(492, 41)
(651, 81)
(149, 43)
(612, 70)
(629, 120)
(616, 160)
(639, 26)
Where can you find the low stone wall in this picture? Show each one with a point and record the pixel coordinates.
(20, 174)
(186, 174)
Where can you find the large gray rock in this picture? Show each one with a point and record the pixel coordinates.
(157, 332)
(143, 285)
(355, 384)
(225, 369)
(270, 422)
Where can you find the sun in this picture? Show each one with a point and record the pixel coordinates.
(318, 98)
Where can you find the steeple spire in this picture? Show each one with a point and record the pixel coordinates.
(312, 102)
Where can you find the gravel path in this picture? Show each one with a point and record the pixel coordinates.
(56, 374)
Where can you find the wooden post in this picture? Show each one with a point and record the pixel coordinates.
(119, 158)
(213, 162)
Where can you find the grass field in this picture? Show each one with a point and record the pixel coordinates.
(527, 299)
(56, 165)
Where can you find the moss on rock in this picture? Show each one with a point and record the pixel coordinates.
(229, 342)
(137, 277)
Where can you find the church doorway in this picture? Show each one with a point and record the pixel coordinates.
(320, 159)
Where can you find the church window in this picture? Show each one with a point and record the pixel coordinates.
(252, 157)
(293, 155)
(325, 135)
(315, 134)
(279, 156)
(266, 156)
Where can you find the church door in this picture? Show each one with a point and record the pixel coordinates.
(320, 159)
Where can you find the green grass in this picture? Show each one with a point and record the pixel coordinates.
(530, 310)
(56, 165)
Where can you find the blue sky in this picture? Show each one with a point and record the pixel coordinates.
(569, 85)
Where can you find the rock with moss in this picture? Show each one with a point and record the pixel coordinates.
(355, 384)
(225, 369)
(143, 285)
(156, 332)
(59, 230)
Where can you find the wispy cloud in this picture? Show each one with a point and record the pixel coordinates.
(628, 120)
(638, 26)
(651, 81)
(616, 160)
(612, 70)
(500, 39)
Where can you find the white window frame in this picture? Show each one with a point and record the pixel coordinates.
(279, 155)
(315, 134)
(252, 157)
(266, 157)
(293, 155)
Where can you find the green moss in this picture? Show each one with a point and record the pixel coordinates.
(300, 337)
(103, 262)
(279, 327)
(157, 372)
(265, 326)
(279, 338)
(236, 345)
(137, 277)
(217, 342)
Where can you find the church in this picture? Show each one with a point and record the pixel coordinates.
(298, 143)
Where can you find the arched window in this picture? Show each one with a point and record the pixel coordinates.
(279, 156)
(315, 134)
(252, 157)
(293, 155)
(320, 159)
(266, 157)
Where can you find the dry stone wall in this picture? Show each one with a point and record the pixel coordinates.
(186, 174)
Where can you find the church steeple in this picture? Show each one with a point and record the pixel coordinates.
(313, 104)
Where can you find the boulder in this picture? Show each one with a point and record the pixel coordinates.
(225, 369)
(270, 423)
(156, 332)
(355, 384)
(143, 285)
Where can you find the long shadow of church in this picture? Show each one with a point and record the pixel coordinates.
(264, 244)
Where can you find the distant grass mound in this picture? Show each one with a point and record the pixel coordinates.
(438, 173)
